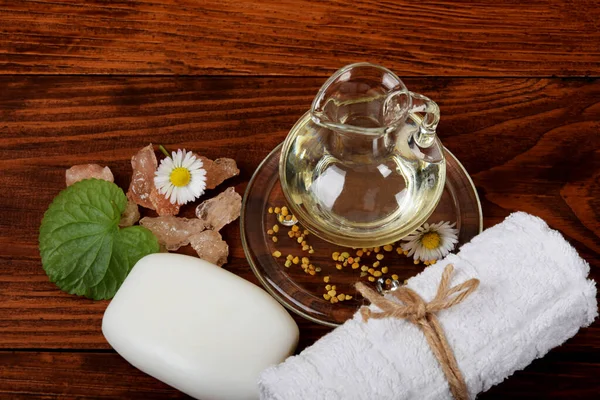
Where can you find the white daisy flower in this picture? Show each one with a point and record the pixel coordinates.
(431, 242)
(181, 177)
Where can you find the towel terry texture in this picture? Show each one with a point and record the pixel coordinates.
(533, 295)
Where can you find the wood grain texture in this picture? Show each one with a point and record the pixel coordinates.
(48, 375)
(300, 37)
(530, 144)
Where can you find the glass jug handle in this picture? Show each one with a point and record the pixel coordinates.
(425, 113)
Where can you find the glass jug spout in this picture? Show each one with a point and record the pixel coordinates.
(362, 98)
(369, 99)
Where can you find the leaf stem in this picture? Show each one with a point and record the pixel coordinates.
(164, 151)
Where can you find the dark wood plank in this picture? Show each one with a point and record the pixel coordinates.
(44, 375)
(300, 37)
(530, 144)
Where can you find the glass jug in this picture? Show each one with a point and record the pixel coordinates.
(364, 166)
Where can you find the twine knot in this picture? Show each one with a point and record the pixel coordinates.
(421, 310)
(422, 314)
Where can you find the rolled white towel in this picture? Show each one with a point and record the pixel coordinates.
(533, 295)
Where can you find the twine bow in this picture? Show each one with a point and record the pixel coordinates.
(422, 314)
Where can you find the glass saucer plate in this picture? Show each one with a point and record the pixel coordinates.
(301, 292)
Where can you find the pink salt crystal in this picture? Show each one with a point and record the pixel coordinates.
(86, 171)
(210, 246)
(218, 170)
(142, 181)
(220, 210)
(130, 216)
(161, 204)
(173, 232)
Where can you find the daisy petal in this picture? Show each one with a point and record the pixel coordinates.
(188, 160)
(196, 165)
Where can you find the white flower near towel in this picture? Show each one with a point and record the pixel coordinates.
(431, 242)
(533, 295)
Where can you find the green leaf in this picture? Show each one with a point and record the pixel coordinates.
(83, 250)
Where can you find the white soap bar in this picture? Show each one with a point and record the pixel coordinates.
(197, 327)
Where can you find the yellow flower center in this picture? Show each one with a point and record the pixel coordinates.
(431, 240)
(180, 177)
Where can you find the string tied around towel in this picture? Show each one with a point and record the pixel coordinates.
(414, 309)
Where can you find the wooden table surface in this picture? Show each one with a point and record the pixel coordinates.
(93, 81)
